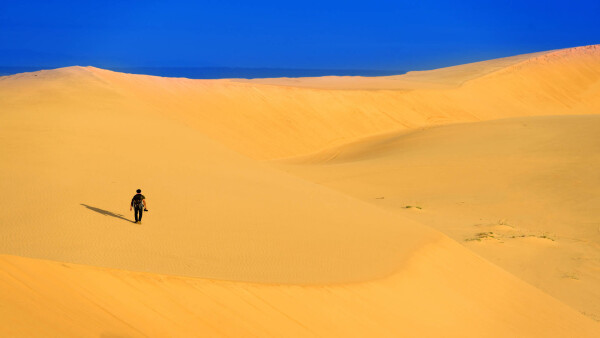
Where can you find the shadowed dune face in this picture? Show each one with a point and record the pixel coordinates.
(335, 246)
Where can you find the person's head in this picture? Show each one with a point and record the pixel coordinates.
(138, 191)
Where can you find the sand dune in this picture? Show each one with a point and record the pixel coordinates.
(449, 77)
(267, 121)
(521, 192)
(213, 213)
(313, 255)
(443, 290)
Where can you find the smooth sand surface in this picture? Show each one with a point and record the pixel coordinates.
(213, 213)
(268, 122)
(233, 246)
(443, 290)
(521, 192)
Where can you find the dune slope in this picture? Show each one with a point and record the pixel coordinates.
(72, 162)
(521, 192)
(443, 290)
(271, 121)
(303, 257)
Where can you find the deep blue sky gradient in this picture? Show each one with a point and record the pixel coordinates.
(385, 35)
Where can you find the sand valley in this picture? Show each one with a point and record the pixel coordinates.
(457, 202)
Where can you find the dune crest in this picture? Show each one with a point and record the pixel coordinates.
(435, 294)
(213, 213)
(441, 78)
(520, 192)
(268, 121)
(308, 251)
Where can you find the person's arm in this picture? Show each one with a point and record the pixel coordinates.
(131, 205)
(145, 206)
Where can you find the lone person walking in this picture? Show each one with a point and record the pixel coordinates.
(138, 202)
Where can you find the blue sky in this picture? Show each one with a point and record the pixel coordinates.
(395, 35)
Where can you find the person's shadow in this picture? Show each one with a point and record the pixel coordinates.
(107, 213)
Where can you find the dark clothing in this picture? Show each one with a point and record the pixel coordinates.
(139, 210)
(137, 199)
(138, 205)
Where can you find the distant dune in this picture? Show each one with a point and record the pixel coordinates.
(266, 121)
(342, 232)
(448, 77)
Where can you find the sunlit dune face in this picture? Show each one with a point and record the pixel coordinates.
(450, 202)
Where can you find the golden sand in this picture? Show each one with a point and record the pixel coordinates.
(345, 237)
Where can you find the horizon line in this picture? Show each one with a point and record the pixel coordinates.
(217, 72)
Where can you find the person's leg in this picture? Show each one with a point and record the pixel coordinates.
(141, 212)
(136, 211)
